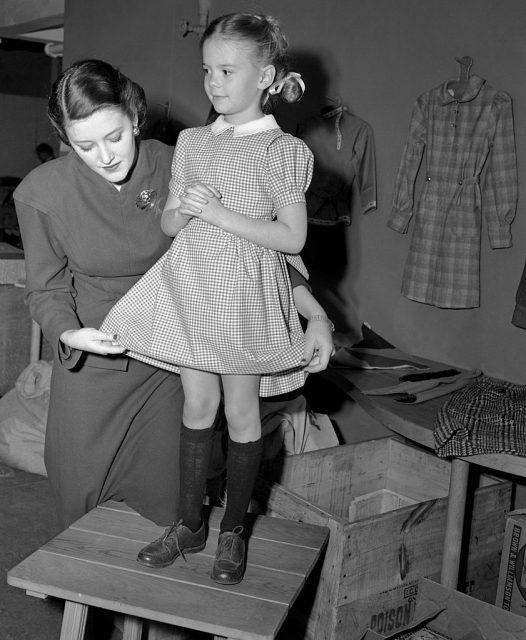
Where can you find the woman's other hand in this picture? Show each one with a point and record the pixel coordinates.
(319, 346)
(92, 340)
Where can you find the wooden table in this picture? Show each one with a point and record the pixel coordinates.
(93, 563)
(415, 422)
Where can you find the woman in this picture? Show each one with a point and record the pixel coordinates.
(90, 224)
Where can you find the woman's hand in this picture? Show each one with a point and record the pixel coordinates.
(92, 340)
(319, 346)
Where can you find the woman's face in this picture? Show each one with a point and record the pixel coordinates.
(105, 142)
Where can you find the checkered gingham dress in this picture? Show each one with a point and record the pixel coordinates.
(461, 137)
(214, 301)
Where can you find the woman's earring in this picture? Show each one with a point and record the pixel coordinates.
(135, 130)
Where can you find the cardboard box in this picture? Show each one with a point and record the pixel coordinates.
(424, 604)
(511, 591)
(383, 550)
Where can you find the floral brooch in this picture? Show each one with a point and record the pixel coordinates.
(146, 199)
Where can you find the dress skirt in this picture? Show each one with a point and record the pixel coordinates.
(114, 435)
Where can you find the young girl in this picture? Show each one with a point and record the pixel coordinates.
(219, 304)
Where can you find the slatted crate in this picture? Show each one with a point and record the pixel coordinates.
(382, 550)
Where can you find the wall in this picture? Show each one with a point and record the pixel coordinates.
(26, 74)
(28, 127)
(378, 56)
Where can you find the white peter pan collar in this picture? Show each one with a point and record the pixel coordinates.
(265, 123)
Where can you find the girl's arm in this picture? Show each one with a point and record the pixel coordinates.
(319, 345)
(172, 220)
(175, 215)
(286, 234)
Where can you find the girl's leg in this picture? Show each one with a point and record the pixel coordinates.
(202, 398)
(243, 461)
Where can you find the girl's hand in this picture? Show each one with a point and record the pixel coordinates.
(319, 347)
(92, 340)
(202, 201)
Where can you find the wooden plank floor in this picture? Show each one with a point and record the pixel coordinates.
(94, 563)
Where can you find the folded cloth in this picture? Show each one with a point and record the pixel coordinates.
(372, 352)
(436, 392)
(486, 416)
(447, 385)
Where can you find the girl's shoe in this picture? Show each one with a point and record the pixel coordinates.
(229, 563)
(176, 541)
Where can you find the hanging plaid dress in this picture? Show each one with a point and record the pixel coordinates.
(460, 135)
(217, 302)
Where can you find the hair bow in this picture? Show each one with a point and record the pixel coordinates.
(276, 87)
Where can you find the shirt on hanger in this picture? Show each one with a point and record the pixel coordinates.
(344, 156)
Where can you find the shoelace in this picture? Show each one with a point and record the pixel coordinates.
(227, 541)
(169, 531)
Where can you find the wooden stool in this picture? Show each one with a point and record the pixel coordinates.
(93, 563)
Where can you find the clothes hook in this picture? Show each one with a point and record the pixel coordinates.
(465, 65)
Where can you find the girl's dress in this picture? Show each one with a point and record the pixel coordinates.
(214, 301)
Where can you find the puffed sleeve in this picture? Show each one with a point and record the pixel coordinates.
(290, 164)
(178, 181)
(50, 293)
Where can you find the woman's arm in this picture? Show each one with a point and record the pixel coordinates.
(50, 292)
(286, 234)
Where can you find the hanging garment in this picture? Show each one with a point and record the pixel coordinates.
(343, 149)
(460, 135)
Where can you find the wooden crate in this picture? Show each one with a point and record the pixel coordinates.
(12, 265)
(387, 549)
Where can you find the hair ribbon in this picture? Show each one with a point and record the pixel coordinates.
(277, 86)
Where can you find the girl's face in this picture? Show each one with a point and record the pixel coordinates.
(234, 79)
(105, 142)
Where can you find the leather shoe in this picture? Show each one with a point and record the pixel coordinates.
(229, 563)
(176, 541)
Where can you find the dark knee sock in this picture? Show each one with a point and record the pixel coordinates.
(194, 458)
(242, 467)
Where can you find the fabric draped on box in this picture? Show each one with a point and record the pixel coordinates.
(215, 301)
(486, 416)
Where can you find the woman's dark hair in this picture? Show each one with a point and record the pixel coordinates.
(89, 85)
(270, 45)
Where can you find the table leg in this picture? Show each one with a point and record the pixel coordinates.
(456, 505)
(132, 628)
(35, 348)
(74, 621)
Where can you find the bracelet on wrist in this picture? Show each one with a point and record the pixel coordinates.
(319, 317)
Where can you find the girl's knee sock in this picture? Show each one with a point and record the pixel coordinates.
(242, 467)
(194, 453)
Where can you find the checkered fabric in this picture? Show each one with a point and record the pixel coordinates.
(486, 416)
(459, 137)
(214, 301)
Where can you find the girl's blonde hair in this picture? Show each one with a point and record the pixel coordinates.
(271, 48)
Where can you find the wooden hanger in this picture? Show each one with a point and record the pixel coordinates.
(465, 63)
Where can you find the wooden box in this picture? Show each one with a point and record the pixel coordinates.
(382, 550)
